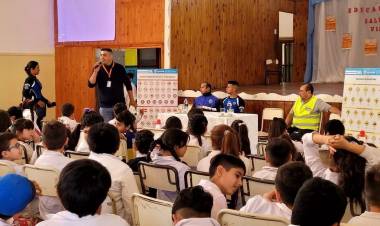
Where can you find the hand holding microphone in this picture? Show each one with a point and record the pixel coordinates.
(97, 66)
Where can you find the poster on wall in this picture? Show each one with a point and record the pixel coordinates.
(157, 92)
(361, 103)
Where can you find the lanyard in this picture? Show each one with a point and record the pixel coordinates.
(109, 72)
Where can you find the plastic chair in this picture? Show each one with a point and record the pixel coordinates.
(192, 156)
(77, 154)
(228, 217)
(5, 168)
(255, 186)
(45, 177)
(193, 177)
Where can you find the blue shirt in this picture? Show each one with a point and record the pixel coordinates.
(207, 102)
(237, 104)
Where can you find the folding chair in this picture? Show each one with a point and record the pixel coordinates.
(45, 177)
(6, 168)
(138, 180)
(192, 156)
(24, 156)
(268, 115)
(228, 217)
(77, 154)
(334, 116)
(255, 186)
(159, 177)
(151, 212)
(193, 177)
(260, 148)
(258, 162)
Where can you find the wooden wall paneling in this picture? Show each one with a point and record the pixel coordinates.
(300, 40)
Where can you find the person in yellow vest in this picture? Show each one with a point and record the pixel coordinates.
(305, 115)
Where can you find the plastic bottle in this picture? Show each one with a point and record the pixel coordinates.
(185, 105)
(229, 107)
(158, 124)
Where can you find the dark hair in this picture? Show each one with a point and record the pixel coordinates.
(170, 140)
(5, 121)
(334, 127)
(5, 139)
(67, 109)
(106, 49)
(54, 135)
(242, 130)
(198, 126)
(118, 108)
(90, 118)
(83, 186)
(226, 139)
(15, 111)
(130, 75)
(289, 179)
(227, 162)
(208, 85)
(194, 111)
(143, 140)
(103, 138)
(277, 127)
(31, 65)
(127, 118)
(195, 203)
(319, 202)
(351, 174)
(173, 122)
(278, 151)
(372, 185)
(233, 82)
(21, 124)
(309, 87)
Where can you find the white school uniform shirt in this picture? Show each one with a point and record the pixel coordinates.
(52, 159)
(71, 124)
(66, 218)
(219, 199)
(122, 187)
(181, 169)
(4, 223)
(205, 147)
(366, 219)
(197, 222)
(312, 159)
(29, 149)
(260, 205)
(82, 145)
(267, 172)
(17, 168)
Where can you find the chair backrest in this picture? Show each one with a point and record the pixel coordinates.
(77, 154)
(138, 180)
(228, 217)
(255, 186)
(45, 177)
(260, 147)
(192, 156)
(159, 177)
(39, 149)
(334, 116)
(270, 113)
(258, 162)
(5, 169)
(193, 177)
(151, 212)
(123, 150)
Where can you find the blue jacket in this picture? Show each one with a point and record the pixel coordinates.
(207, 102)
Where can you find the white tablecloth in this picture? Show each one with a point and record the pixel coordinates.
(216, 118)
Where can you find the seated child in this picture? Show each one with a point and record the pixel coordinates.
(226, 173)
(173, 122)
(117, 109)
(197, 128)
(143, 141)
(192, 207)
(14, 114)
(82, 187)
(125, 121)
(10, 151)
(68, 118)
(88, 119)
(24, 130)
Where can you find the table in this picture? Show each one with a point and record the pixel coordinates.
(216, 118)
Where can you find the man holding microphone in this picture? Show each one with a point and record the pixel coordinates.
(110, 78)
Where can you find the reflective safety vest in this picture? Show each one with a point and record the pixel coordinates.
(303, 115)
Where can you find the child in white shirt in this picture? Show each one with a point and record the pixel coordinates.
(54, 139)
(89, 119)
(192, 207)
(197, 128)
(277, 153)
(226, 173)
(289, 179)
(125, 121)
(68, 118)
(24, 130)
(103, 140)
(10, 151)
(172, 146)
(82, 187)
(117, 109)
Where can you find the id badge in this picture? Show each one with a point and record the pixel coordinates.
(108, 84)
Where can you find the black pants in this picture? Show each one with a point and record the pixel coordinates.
(297, 133)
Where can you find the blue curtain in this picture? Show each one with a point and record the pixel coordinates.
(310, 40)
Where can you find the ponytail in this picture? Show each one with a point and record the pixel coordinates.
(230, 143)
(170, 140)
(31, 65)
(242, 130)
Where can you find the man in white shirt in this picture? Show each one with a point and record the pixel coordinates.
(289, 179)
(82, 187)
(54, 139)
(372, 193)
(192, 207)
(226, 173)
(277, 153)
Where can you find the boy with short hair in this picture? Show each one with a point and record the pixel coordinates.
(319, 202)
(277, 153)
(82, 187)
(192, 207)
(15, 194)
(54, 137)
(24, 130)
(372, 194)
(233, 102)
(68, 118)
(289, 179)
(226, 173)
(117, 109)
(10, 151)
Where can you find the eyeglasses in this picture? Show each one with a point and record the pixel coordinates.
(16, 146)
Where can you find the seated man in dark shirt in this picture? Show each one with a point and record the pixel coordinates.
(143, 140)
(207, 101)
(233, 102)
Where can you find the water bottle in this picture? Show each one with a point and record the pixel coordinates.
(185, 105)
(229, 107)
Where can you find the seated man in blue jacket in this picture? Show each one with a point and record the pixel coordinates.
(207, 101)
